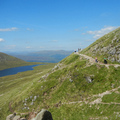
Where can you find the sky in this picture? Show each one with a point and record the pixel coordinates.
(35, 25)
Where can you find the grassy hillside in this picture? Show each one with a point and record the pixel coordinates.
(66, 91)
(74, 89)
(107, 46)
(7, 61)
(15, 88)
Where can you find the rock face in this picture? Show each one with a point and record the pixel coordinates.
(43, 115)
(107, 46)
(13, 117)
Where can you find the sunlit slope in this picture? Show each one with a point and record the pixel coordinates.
(15, 88)
(7, 61)
(107, 46)
(73, 89)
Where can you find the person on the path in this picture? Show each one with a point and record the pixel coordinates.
(105, 61)
(96, 60)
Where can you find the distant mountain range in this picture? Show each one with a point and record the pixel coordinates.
(52, 56)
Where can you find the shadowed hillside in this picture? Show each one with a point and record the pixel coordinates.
(7, 61)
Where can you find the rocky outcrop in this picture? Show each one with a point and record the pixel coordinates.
(107, 46)
(42, 115)
(89, 79)
(14, 117)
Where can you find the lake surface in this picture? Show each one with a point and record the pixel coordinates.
(12, 71)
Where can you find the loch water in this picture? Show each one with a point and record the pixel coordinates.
(15, 70)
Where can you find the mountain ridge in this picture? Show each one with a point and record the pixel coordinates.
(107, 46)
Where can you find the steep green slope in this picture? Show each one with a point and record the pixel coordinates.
(107, 46)
(74, 89)
(7, 61)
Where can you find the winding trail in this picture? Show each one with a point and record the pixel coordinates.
(92, 61)
(99, 99)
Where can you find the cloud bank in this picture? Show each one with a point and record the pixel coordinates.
(101, 32)
(1, 40)
(8, 29)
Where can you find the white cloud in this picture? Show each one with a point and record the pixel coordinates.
(28, 29)
(28, 47)
(1, 40)
(101, 32)
(8, 29)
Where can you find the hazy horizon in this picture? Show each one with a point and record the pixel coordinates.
(35, 25)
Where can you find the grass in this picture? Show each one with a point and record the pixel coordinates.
(16, 88)
(103, 47)
(113, 97)
(58, 88)
(85, 112)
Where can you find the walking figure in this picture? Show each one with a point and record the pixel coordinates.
(96, 60)
(105, 61)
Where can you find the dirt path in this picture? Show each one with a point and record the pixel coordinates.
(92, 61)
(99, 99)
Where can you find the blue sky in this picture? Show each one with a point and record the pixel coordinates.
(35, 25)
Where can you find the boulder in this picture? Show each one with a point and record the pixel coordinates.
(11, 116)
(17, 117)
(70, 80)
(43, 115)
(14, 117)
(88, 79)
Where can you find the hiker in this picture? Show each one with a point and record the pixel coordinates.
(96, 60)
(105, 61)
(79, 49)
